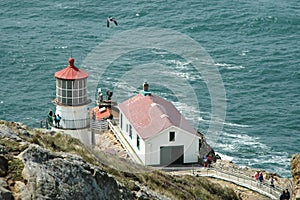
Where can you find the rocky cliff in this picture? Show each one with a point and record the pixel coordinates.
(295, 168)
(39, 164)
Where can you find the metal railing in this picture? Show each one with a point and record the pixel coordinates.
(67, 124)
(239, 177)
(99, 125)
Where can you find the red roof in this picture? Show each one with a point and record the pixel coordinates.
(71, 72)
(150, 115)
(101, 113)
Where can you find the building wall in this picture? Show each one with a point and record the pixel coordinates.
(189, 141)
(73, 117)
(132, 140)
(149, 151)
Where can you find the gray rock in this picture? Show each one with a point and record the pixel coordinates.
(5, 194)
(3, 183)
(5, 131)
(3, 150)
(3, 166)
(65, 176)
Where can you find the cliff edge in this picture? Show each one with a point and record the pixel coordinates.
(38, 163)
(295, 168)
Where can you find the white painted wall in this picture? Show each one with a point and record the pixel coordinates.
(190, 142)
(132, 141)
(149, 151)
(79, 114)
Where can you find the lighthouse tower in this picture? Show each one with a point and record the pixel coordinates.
(72, 101)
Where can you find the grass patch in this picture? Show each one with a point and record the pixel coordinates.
(15, 168)
(12, 145)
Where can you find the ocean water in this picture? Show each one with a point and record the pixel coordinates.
(249, 52)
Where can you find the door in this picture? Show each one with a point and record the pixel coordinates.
(171, 155)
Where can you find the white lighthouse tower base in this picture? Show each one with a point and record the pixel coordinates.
(73, 117)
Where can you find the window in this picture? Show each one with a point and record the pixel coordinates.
(130, 131)
(138, 142)
(69, 94)
(126, 128)
(69, 84)
(172, 136)
(121, 121)
(71, 91)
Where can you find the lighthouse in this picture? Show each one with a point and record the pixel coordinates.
(72, 102)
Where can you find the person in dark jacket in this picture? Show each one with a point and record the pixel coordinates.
(287, 194)
(58, 118)
(261, 178)
(282, 196)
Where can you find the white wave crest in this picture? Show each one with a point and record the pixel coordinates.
(229, 66)
(224, 157)
(235, 125)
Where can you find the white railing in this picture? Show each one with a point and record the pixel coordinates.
(130, 152)
(236, 176)
(240, 178)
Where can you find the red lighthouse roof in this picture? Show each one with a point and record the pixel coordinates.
(71, 72)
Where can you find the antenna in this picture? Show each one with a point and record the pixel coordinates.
(71, 51)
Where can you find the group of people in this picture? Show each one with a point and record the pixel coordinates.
(259, 178)
(54, 118)
(207, 160)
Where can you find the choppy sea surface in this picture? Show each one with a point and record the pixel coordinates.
(253, 45)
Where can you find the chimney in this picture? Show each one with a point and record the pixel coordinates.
(145, 91)
(145, 87)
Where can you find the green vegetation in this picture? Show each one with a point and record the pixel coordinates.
(12, 145)
(15, 167)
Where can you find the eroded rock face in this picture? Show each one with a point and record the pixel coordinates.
(295, 168)
(64, 176)
(5, 193)
(3, 166)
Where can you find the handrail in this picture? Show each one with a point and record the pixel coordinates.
(236, 176)
(130, 153)
(239, 177)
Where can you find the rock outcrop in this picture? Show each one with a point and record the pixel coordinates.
(295, 168)
(30, 171)
(41, 164)
(65, 176)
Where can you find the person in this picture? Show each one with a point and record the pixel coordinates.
(205, 161)
(256, 177)
(287, 194)
(261, 178)
(50, 118)
(272, 186)
(58, 118)
(209, 160)
(282, 196)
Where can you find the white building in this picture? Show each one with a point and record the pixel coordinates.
(156, 130)
(72, 102)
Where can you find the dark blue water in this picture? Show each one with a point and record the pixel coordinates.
(253, 44)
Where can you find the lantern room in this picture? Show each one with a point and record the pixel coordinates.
(71, 97)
